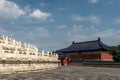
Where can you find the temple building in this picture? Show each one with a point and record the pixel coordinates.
(85, 51)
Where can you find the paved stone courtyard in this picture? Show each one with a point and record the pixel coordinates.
(67, 73)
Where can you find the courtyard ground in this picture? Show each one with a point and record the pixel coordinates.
(67, 73)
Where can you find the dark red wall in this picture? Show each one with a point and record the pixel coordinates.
(106, 57)
(91, 56)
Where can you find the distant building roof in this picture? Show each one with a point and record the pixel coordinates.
(84, 46)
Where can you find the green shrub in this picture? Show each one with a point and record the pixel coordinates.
(115, 52)
(101, 63)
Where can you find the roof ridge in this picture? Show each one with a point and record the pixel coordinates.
(86, 42)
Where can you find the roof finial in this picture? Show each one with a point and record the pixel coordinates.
(73, 42)
(98, 38)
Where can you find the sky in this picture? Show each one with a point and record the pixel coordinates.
(54, 24)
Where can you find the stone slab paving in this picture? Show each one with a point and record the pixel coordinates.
(67, 73)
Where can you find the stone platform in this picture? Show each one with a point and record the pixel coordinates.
(67, 73)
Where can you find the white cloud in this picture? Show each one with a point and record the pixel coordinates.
(3, 31)
(38, 14)
(9, 9)
(51, 20)
(109, 33)
(34, 33)
(41, 37)
(110, 36)
(106, 33)
(42, 32)
(93, 1)
(79, 34)
(42, 4)
(78, 18)
(62, 26)
(27, 9)
(117, 21)
(92, 18)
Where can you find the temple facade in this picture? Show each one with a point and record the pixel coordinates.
(85, 51)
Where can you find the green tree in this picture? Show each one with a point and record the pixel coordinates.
(115, 52)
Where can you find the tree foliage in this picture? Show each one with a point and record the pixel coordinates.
(115, 52)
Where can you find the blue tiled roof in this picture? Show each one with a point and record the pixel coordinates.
(84, 46)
